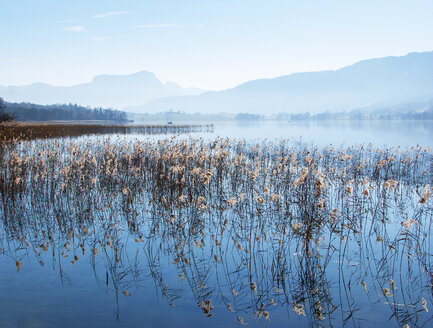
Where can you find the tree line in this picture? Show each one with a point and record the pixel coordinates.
(59, 112)
(4, 117)
(426, 114)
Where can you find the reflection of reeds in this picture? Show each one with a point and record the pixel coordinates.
(31, 131)
(253, 227)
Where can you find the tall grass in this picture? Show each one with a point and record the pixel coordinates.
(248, 227)
(31, 131)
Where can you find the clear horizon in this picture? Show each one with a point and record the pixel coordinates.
(207, 45)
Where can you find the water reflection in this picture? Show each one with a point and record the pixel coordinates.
(322, 133)
(228, 233)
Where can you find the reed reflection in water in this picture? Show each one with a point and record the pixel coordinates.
(224, 231)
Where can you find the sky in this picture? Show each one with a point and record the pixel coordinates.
(209, 44)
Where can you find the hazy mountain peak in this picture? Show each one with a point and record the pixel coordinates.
(107, 90)
(134, 77)
(180, 90)
(387, 81)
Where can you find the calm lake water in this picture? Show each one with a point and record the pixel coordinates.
(380, 133)
(97, 258)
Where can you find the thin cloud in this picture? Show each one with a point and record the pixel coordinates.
(103, 15)
(74, 29)
(109, 14)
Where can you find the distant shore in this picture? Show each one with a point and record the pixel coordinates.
(58, 129)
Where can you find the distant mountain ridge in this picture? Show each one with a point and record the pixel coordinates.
(372, 83)
(382, 81)
(103, 91)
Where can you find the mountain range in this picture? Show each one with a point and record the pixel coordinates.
(372, 83)
(114, 91)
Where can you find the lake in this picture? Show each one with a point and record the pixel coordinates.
(196, 230)
(380, 133)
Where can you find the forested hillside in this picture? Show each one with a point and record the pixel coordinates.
(61, 112)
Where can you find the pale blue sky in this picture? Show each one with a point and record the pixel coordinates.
(209, 44)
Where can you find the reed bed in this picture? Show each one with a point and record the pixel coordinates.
(32, 131)
(248, 228)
